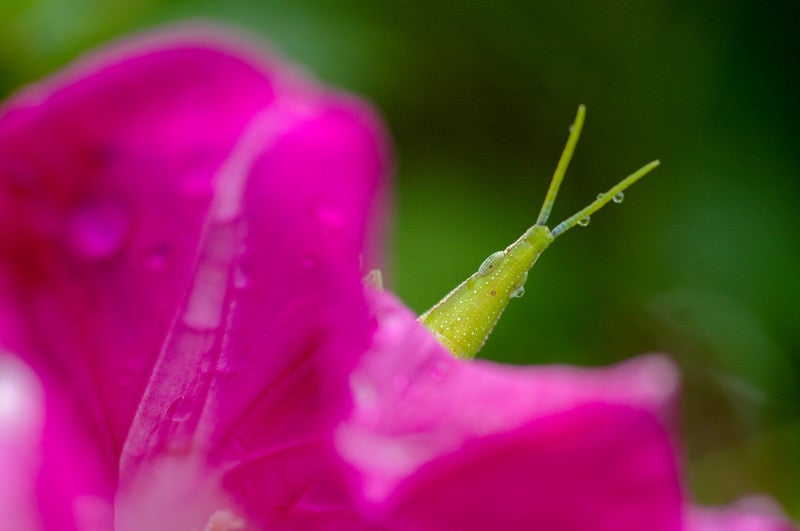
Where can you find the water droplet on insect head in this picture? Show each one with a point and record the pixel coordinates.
(585, 221)
(518, 292)
(618, 198)
(491, 261)
(98, 229)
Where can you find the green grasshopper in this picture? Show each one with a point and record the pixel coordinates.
(464, 318)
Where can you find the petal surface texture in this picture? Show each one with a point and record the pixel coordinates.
(438, 443)
(181, 221)
(51, 477)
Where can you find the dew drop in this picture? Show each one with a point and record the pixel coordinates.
(156, 258)
(600, 196)
(179, 410)
(618, 198)
(331, 215)
(98, 229)
(308, 262)
(518, 292)
(240, 279)
(585, 221)
(572, 128)
(20, 176)
(491, 261)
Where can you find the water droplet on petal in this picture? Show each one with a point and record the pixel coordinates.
(98, 229)
(331, 215)
(179, 410)
(156, 258)
(618, 198)
(585, 221)
(308, 262)
(240, 279)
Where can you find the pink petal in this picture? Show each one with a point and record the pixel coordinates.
(181, 222)
(257, 375)
(439, 443)
(106, 175)
(21, 425)
(754, 513)
(50, 477)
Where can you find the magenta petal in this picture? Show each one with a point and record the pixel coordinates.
(254, 372)
(22, 415)
(756, 513)
(181, 223)
(252, 375)
(440, 443)
(106, 174)
(51, 477)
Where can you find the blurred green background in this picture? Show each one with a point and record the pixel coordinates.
(702, 259)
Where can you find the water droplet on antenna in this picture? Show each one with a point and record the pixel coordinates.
(619, 197)
(585, 221)
(97, 229)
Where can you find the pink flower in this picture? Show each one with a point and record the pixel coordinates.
(187, 343)
(181, 220)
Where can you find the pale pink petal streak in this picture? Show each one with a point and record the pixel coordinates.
(752, 513)
(439, 443)
(252, 376)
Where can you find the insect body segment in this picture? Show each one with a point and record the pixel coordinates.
(464, 318)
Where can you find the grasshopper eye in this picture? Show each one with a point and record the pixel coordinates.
(491, 262)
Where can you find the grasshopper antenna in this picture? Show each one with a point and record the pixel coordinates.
(614, 194)
(563, 163)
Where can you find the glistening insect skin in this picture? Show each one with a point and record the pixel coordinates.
(465, 317)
